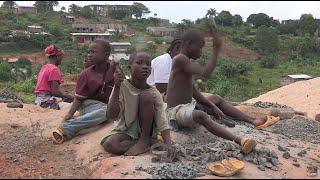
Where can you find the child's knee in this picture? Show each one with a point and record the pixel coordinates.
(110, 145)
(199, 116)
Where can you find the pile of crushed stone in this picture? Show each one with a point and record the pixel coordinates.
(298, 128)
(270, 105)
(196, 159)
(6, 95)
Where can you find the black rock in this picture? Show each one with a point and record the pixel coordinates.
(268, 165)
(14, 105)
(286, 155)
(296, 164)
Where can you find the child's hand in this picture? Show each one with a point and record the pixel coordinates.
(68, 116)
(118, 77)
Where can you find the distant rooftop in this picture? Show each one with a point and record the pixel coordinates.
(91, 34)
(300, 76)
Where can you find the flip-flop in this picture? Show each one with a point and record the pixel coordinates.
(247, 145)
(58, 132)
(270, 121)
(233, 163)
(221, 170)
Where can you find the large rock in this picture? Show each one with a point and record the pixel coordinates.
(14, 105)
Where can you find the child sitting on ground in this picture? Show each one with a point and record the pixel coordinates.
(49, 80)
(182, 95)
(138, 110)
(94, 86)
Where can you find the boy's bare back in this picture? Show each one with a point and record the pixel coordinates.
(180, 88)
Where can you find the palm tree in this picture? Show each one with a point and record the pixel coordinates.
(211, 12)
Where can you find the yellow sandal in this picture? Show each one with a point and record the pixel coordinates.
(270, 121)
(57, 136)
(247, 145)
(221, 170)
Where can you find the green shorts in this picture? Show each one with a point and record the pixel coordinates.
(133, 131)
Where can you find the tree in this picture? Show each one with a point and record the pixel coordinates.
(45, 6)
(9, 4)
(290, 27)
(74, 9)
(86, 12)
(139, 9)
(274, 22)
(211, 12)
(181, 27)
(267, 40)
(259, 19)
(63, 9)
(224, 18)
(119, 14)
(155, 21)
(237, 20)
(307, 24)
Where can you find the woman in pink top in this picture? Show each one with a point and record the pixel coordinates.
(49, 79)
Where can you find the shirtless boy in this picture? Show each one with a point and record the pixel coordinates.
(182, 96)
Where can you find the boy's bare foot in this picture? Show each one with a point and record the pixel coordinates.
(260, 121)
(139, 148)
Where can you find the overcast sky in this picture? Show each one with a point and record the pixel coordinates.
(175, 11)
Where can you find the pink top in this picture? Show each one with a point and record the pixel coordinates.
(48, 73)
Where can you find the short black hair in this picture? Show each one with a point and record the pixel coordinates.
(193, 36)
(134, 55)
(173, 44)
(104, 44)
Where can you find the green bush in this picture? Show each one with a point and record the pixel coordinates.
(5, 71)
(27, 86)
(269, 61)
(231, 69)
(267, 40)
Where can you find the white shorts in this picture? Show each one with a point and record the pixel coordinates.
(182, 113)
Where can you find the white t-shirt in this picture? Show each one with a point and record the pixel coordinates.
(161, 68)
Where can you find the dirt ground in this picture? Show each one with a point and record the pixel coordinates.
(28, 152)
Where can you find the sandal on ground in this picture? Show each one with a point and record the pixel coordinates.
(221, 170)
(247, 145)
(270, 121)
(233, 163)
(57, 136)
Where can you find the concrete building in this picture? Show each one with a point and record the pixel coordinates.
(67, 19)
(99, 27)
(105, 10)
(120, 46)
(162, 31)
(35, 29)
(26, 9)
(89, 37)
(285, 80)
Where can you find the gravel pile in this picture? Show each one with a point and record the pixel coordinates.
(179, 170)
(298, 128)
(270, 105)
(198, 157)
(5, 95)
